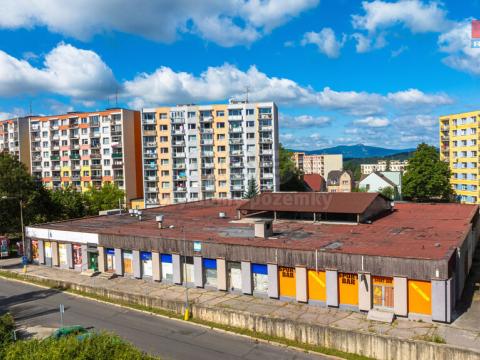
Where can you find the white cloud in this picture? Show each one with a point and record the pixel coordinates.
(415, 15)
(325, 41)
(368, 43)
(456, 43)
(415, 97)
(67, 71)
(227, 22)
(6, 115)
(399, 51)
(372, 121)
(303, 121)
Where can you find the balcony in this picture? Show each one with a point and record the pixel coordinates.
(95, 134)
(149, 121)
(208, 177)
(179, 166)
(178, 131)
(151, 190)
(178, 120)
(151, 178)
(208, 188)
(207, 153)
(266, 141)
(208, 165)
(55, 157)
(178, 155)
(95, 156)
(236, 165)
(149, 144)
(206, 131)
(266, 128)
(236, 187)
(236, 152)
(206, 142)
(117, 155)
(236, 141)
(267, 176)
(179, 189)
(266, 163)
(117, 165)
(266, 152)
(264, 116)
(96, 166)
(237, 176)
(75, 156)
(149, 133)
(206, 119)
(150, 155)
(178, 143)
(76, 177)
(179, 178)
(238, 129)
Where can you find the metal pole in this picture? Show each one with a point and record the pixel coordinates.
(187, 310)
(23, 235)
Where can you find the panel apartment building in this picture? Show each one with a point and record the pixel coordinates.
(14, 138)
(318, 164)
(196, 152)
(459, 147)
(84, 149)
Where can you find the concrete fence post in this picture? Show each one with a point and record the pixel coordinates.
(331, 277)
(222, 274)
(273, 281)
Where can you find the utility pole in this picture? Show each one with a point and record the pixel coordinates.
(23, 236)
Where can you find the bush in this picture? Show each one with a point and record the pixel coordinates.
(7, 325)
(97, 347)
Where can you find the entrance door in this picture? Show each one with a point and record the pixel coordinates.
(93, 261)
(48, 253)
(235, 276)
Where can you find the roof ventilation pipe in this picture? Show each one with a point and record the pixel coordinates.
(159, 219)
(263, 228)
(222, 215)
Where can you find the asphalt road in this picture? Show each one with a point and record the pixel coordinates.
(167, 338)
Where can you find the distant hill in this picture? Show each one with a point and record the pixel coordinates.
(358, 151)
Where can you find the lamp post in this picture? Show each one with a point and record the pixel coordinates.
(21, 224)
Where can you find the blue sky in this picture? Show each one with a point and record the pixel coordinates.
(342, 72)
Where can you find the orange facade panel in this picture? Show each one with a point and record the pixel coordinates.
(287, 282)
(420, 297)
(348, 289)
(317, 285)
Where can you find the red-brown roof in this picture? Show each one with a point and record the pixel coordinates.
(320, 202)
(419, 231)
(316, 182)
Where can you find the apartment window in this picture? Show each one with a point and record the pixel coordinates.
(84, 141)
(251, 148)
(165, 185)
(106, 162)
(222, 183)
(250, 135)
(192, 126)
(220, 136)
(105, 130)
(45, 154)
(45, 144)
(163, 127)
(191, 114)
(84, 131)
(85, 162)
(250, 111)
(164, 150)
(193, 195)
(192, 148)
(193, 183)
(84, 152)
(165, 173)
(265, 110)
(220, 125)
(46, 174)
(106, 141)
(221, 148)
(164, 162)
(220, 113)
(163, 138)
(65, 173)
(234, 112)
(64, 142)
(192, 137)
(165, 196)
(107, 173)
(162, 116)
(222, 171)
(221, 160)
(192, 161)
(222, 195)
(86, 173)
(46, 164)
(250, 123)
(106, 151)
(64, 163)
(84, 120)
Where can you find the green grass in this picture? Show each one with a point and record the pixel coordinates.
(171, 314)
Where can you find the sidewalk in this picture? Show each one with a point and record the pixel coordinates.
(467, 336)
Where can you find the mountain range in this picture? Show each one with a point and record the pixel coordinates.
(357, 151)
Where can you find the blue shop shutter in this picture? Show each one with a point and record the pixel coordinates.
(145, 256)
(166, 258)
(259, 269)
(209, 263)
(110, 252)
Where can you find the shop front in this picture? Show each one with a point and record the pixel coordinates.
(234, 276)
(146, 264)
(35, 253)
(287, 282)
(383, 292)
(110, 254)
(348, 289)
(77, 256)
(188, 270)
(260, 279)
(127, 263)
(167, 267)
(48, 253)
(62, 256)
(210, 272)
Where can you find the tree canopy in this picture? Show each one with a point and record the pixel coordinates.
(252, 189)
(291, 178)
(426, 177)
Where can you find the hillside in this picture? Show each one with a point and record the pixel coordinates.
(358, 151)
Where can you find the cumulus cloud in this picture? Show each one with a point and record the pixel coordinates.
(368, 43)
(415, 15)
(372, 121)
(326, 42)
(303, 121)
(456, 43)
(66, 71)
(415, 97)
(227, 22)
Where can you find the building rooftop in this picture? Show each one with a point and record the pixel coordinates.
(419, 231)
(315, 182)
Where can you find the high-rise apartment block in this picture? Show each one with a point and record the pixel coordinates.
(13, 135)
(194, 152)
(459, 147)
(84, 149)
(318, 164)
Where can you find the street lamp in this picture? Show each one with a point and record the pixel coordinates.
(21, 223)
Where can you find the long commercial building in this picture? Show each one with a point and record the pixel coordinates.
(356, 251)
(88, 149)
(195, 152)
(318, 164)
(14, 138)
(459, 148)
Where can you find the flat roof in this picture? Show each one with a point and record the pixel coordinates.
(417, 231)
(320, 202)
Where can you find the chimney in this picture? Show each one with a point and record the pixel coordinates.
(159, 219)
(222, 215)
(263, 229)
